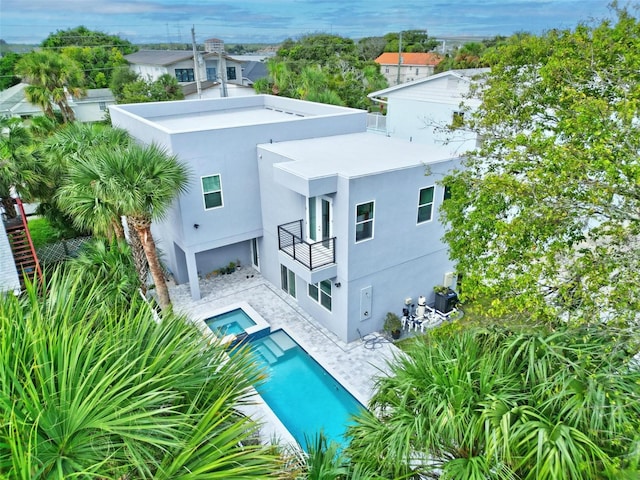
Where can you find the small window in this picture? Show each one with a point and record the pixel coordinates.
(212, 74)
(185, 75)
(417, 71)
(447, 193)
(212, 191)
(364, 221)
(102, 106)
(386, 69)
(457, 120)
(231, 73)
(425, 204)
(321, 293)
(288, 281)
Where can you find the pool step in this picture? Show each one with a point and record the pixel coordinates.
(282, 340)
(269, 350)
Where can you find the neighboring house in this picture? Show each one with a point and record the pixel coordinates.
(430, 110)
(90, 108)
(215, 90)
(9, 280)
(151, 64)
(405, 67)
(344, 221)
(93, 106)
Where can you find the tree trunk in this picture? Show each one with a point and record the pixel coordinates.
(144, 232)
(139, 255)
(9, 207)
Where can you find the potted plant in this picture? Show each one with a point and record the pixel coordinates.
(392, 325)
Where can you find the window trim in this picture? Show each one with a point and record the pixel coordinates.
(204, 202)
(320, 293)
(235, 73)
(432, 203)
(372, 220)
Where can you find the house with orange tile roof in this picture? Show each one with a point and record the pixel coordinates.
(406, 66)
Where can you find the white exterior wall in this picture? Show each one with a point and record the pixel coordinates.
(422, 112)
(403, 259)
(227, 149)
(9, 280)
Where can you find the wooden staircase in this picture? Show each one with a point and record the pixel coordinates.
(24, 255)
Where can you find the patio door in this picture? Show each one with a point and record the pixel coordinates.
(319, 219)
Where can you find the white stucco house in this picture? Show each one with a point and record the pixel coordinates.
(344, 220)
(423, 110)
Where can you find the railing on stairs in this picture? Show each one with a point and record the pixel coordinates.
(24, 254)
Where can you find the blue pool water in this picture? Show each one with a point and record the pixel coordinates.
(300, 392)
(230, 323)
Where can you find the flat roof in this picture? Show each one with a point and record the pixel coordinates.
(356, 155)
(222, 119)
(211, 114)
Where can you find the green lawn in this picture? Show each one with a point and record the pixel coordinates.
(42, 232)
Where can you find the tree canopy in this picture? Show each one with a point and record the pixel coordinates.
(544, 217)
(412, 41)
(505, 404)
(322, 67)
(98, 53)
(103, 390)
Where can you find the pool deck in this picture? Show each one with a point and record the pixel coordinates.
(353, 365)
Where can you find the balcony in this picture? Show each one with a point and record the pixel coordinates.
(312, 256)
(376, 122)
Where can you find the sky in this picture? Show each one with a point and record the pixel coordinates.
(271, 21)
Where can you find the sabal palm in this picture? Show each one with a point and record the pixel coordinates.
(20, 166)
(51, 76)
(144, 182)
(97, 392)
(506, 405)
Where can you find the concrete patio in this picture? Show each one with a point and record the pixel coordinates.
(353, 365)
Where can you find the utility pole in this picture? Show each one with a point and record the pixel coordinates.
(399, 58)
(196, 63)
(223, 73)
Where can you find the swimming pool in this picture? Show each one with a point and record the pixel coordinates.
(302, 394)
(231, 323)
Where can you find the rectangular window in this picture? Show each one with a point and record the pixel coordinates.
(211, 74)
(447, 193)
(425, 204)
(185, 75)
(102, 106)
(212, 191)
(364, 221)
(417, 71)
(288, 281)
(231, 73)
(321, 293)
(457, 120)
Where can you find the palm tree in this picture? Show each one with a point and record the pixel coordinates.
(505, 405)
(95, 392)
(20, 167)
(52, 77)
(143, 182)
(280, 77)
